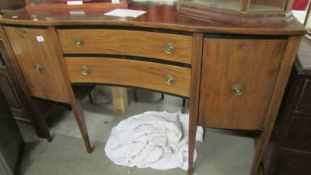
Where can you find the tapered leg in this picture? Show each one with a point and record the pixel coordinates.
(194, 95)
(192, 135)
(37, 120)
(78, 113)
(183, 107)
(259, 151)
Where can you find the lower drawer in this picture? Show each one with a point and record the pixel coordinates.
(149, 75)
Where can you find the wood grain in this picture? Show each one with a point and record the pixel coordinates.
(119, 99)
(47, 83)
(278, 92)
(197, 50)
(131, 73)
(251, 63)
(127, 42)
(23, 91)
(76, 105)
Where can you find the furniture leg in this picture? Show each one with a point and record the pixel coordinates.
(194, 95)
(282, 79)
(78, 113)
(90, 98)
(162, 96)
(183, 107)
(135, 95)
(120, 99)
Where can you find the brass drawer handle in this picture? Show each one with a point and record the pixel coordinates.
(170, 79)
(78, 41)
(237, 89)
(169, 48)
(38, 67)
(85, 70)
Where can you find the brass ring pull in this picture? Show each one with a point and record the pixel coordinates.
(85, 70)
(169, 48)
(170, 79)
(38, 67)
(78, 41)
(237, 89)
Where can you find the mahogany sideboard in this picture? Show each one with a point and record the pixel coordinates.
(234, 75)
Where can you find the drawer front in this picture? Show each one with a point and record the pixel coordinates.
(172, 47)
(161, 77)
(304, 102)
(238, 78)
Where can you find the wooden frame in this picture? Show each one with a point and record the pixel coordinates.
(243, 16)
(62, 5)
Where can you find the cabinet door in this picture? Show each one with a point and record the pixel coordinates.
(238, 78)
(38, 57)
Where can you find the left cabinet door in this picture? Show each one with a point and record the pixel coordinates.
(38, 56)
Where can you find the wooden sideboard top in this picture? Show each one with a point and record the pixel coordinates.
(157, 17)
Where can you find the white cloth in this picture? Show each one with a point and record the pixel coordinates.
(153, 139)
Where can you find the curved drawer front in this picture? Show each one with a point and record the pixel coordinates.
(171, 47)
(161, 77)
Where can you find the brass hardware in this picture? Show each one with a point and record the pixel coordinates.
(237, 89)
(85, 70)
(170, 79)
(38, 67)
(169, 48)
(243, 45)
(78, 41)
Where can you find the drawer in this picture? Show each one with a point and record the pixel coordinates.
(304, 102)
(149, 75)
(171, 47)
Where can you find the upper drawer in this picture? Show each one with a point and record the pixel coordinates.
(172, 47)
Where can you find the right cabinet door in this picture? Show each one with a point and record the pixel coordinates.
(238, 78)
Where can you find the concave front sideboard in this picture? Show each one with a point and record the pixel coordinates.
(235, 76)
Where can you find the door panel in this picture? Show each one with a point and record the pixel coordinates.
(238, 78)
(38, 56)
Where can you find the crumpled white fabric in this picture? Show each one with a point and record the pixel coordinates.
(157, 140)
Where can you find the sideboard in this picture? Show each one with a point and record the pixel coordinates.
(235, 76)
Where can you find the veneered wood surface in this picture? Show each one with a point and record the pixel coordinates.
(49, 83)
(253, 64)
(127, 42)
(131, 73)
(23, 91)
(157, 17)
(197, 49)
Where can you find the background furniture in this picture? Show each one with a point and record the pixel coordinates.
(290, 145)
(235, 76)
(11, 142)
